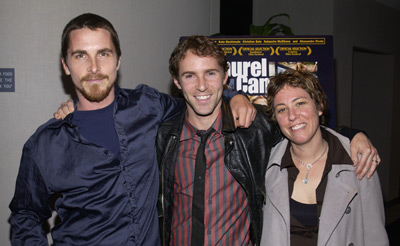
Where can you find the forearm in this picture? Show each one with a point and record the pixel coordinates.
(348, 132)
(229, 93)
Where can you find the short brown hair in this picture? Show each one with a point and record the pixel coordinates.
(300, 79)
(199, 45)
(93, 22)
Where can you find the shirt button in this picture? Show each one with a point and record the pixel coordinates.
(348, 210)
(208, 231)
(209, 201)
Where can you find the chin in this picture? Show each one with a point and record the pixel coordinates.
(96, 95)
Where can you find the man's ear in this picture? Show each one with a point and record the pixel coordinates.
(65, 67)
(118, 63)
(226, 78)
(176, 82)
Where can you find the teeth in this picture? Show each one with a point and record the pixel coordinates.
(202, 97)
(297, 127)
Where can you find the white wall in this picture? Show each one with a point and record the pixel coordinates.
(30, 37)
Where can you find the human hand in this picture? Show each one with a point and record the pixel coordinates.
(64, 109)
(243, 111)
(364, 155)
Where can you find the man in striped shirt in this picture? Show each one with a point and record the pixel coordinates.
(233, 180)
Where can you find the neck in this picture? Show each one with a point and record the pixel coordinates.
(86, 105)
(310, 151)
(202, 122)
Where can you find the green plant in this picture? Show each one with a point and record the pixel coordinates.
(271, 28)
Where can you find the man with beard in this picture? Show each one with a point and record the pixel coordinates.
(99, 163)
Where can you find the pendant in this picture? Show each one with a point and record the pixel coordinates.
(305, 180)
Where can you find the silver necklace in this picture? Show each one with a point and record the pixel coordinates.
(309, 165)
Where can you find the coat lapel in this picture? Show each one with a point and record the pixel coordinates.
(277, 184)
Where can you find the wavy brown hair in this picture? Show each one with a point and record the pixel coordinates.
(201, 46)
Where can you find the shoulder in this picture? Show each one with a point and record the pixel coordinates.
(46, 133)
(143, 98)
(343, 140)
(261, 119)
(262, 125)
(142, 91)
(277, 152)
(172, 125)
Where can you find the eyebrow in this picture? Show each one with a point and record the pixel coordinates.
(207, 71)
(78, 52)
(105, 50)
(212, 70)
(282, 104)
(187, 72)
(99, 51)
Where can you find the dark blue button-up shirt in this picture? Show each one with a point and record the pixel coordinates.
(100, 199)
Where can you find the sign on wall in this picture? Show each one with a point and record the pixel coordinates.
(7, 80)
(253, 60)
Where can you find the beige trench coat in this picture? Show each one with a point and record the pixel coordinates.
(352, 212)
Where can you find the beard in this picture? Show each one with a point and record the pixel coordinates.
(95, 92)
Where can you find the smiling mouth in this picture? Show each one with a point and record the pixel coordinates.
(298, 127)
(203, 97)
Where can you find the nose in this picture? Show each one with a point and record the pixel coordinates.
(93, 66)
(292, 114)
(202, 84)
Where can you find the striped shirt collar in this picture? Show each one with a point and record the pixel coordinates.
(191, 130)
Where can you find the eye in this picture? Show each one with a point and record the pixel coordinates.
(300, 103)
(212, 73)
(280, 110)
(188, 76)
(79, 56)
(104, 54)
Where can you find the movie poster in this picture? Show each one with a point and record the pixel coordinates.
(253, 60)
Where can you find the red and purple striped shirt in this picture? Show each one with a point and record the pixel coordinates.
(226, 215)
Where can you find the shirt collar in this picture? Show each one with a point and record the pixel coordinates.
(189, 131)
(337, 157)
(68, 119)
